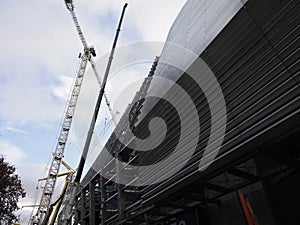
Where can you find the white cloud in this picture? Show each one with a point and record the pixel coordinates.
(27, 103)
(11, 152)
(62, 91)
(38, 46)
(151, 18)
(154, 18)
(13, 129)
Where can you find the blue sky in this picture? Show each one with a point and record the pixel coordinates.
(39, 57)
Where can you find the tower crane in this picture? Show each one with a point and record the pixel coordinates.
(66, 125)
(58, 154)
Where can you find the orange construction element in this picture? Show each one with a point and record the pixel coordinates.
(247, 209)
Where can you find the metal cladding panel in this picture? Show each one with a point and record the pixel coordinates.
(253, 49)
(255, 59)
(210, 17)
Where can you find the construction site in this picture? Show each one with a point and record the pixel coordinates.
(210, 138)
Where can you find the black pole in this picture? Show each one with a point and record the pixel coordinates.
(98, 103)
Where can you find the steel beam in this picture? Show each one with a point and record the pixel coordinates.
(92, 214)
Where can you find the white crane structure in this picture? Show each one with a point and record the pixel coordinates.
(70, 7)
(58, 153)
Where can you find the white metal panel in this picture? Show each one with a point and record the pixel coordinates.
(196, 26)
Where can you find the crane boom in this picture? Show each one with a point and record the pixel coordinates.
(67, 212)
(79, 31)
(61, 141)
(70, 7)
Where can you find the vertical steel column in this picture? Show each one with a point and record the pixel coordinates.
(92, 214)
(121, 197)
(82, 208)
(103, 199)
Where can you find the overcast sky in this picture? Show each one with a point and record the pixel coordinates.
(39, 57)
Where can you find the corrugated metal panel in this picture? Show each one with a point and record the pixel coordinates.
(256, 61)
(253, 50)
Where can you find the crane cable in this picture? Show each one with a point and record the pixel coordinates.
(105, 96)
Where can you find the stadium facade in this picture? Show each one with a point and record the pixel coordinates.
(242, 162)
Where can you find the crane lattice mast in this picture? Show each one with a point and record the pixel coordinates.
(61, 141)
(58, 154)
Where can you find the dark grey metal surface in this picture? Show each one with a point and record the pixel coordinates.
(255, 59)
